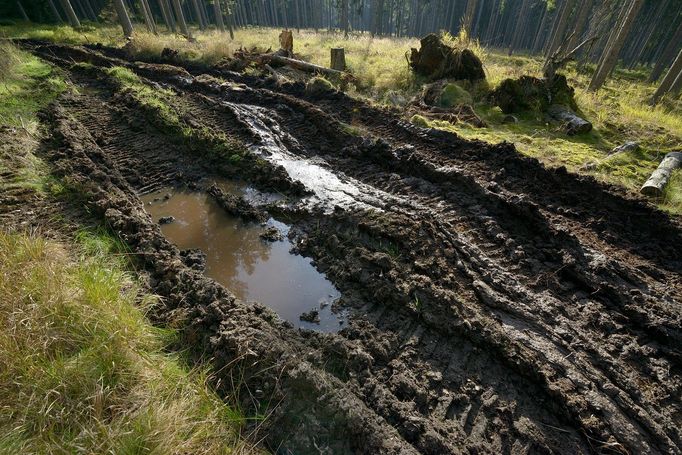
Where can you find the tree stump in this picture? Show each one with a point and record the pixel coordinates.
(659, 178)
(338, 59)
(286, 42)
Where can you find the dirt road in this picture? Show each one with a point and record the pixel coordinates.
(496, 306)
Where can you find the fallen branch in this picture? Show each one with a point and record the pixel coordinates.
(300, 65)
(653, 187)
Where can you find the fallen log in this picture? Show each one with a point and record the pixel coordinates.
(572, 123)
(301, 65)
(654, 186)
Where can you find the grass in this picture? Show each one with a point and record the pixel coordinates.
(82, 370)
(619, 111)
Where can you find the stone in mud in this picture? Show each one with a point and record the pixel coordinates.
(166, 219)
(271, 234)
(437, 60)
(236, 205)
(311, 316)
(194, 258)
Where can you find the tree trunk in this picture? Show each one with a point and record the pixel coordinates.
(123, 18)
(338, 59)
(520, 20)
(562, 25)
(654, 186)
(148, 18)
(669, 79)
(469, 16)
(197, 13)
(167, 15)
(344, 17)
(70, 13)
(89, 12)
(217, 11)
(610, 56)
(583, 13)
(181, 18)
(24, 16)
(55, 11)
(667, 55)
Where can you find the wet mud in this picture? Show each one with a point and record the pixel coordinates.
(494, 305)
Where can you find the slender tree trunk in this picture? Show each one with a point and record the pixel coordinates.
(70, 13)
(583, 13)
(667, 54)
(24, 16)
(89, 11)
(469, 16)
(671, 79)
(610, 56)
(148, 18)
(123, 18)
(344, 17)
(55, 11)
(217, 11)
(519, 29)
(197, 13)
(562, 25)
(181, 18)
(167, 15)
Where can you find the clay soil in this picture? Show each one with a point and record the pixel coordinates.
(496, 305)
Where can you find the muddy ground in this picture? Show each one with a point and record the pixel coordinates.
(497, 306)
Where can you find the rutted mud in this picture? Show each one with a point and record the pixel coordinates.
(498, 306)
(238, 256)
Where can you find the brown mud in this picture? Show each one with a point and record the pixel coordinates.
(497, 306)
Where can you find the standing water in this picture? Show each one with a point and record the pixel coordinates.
(238, 258)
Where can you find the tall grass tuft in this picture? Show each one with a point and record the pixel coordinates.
(81, 369)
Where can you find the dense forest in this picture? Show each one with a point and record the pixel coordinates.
(636, 32)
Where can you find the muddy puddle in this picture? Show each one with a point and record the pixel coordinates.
(252, 268)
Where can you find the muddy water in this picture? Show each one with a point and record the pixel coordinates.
(251, 268)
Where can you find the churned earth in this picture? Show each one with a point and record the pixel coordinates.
(491, 305)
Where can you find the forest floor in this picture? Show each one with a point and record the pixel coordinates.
(494, 304)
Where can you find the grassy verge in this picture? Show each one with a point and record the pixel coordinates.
(81, 368)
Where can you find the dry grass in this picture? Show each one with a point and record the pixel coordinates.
(82, 371)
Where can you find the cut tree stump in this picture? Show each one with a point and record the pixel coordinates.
(659, 178)
(286, 42)
(572, 123)
(338, 59)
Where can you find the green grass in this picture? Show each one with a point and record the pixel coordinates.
(83, 371)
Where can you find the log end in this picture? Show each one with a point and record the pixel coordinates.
(651, 191)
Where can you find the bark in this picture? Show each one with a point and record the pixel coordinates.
(217, 11)
(610, 56)
(89, 12)
(344, 17)
(55, 11)
(181, 18)
(301, 65)
(580, 24)
(562, 25)
(70, 13)
(669, 80)
(572, 123)
(469, 16)
(24, 16)
(520, 29)
(656, 183)
(167, 15)
(197, 13)
(667, 55)
(148, 18)
(338, 59)
(123, 18)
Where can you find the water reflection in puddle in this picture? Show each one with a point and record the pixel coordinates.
(237, 257)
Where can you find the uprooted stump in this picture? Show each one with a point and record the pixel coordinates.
(437, 60)
(529, 93)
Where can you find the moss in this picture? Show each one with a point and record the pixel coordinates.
(419, 120)
(318, 86)
(454, 95)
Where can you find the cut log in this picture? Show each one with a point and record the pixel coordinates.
(629, 146)
(301, 65)
(659, 178)
(572, 123)
(338, 59)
